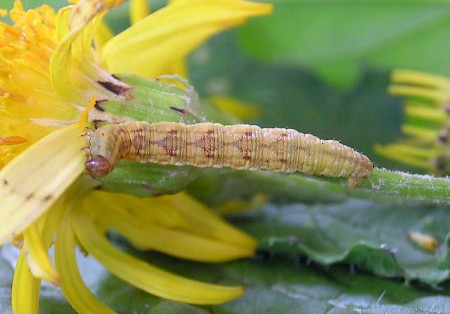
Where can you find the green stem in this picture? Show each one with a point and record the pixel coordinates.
(381, 185)
(407, 186)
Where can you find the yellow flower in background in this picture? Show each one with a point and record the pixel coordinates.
(50, 76)
(426, 126)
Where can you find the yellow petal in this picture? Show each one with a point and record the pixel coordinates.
(86, 10)
(179, 68)
(420, 78)
(32, 182)
(179, 243)
(61, 61)
(73, 68)
(25, 288)
(204, 222)
(238, 108)
(139, 9)
(415, 91)
(420, 132)
(146, 210)
(145, 276)
(416, 110)
(145, 223)
(151, 45)
(37, 240)
(404, 155)
(72, 285)
(36, 253)
(415, 151)
(103, 34)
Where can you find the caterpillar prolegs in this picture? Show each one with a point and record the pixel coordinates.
(214, 145)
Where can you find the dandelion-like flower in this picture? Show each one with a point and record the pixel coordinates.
(51, 73)
(427, 122)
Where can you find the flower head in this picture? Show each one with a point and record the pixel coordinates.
(51, 73)
(427, 122)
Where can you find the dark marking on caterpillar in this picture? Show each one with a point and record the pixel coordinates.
(119, 90)
(47, 198)
(5, 182)
(98, 105)
(97, 122)
(214, 145)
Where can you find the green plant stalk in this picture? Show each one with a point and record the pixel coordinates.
(396, 184)
(383, 184)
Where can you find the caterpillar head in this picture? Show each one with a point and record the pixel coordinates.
(98, 166)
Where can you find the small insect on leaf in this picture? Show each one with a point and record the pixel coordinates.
(214, 145)
(423, 240)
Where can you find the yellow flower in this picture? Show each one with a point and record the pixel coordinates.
(426, 126)
(50, 76)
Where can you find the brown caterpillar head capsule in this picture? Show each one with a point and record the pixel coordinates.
(98, 166)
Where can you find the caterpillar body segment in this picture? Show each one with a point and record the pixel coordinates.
(214, 145)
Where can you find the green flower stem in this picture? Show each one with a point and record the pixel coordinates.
(381, 185)
(224, 186)
(407, 186)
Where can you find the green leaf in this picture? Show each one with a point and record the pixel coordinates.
(279, 287)
(273, 285)
(148, 179)
(336, 39)
(362, 233)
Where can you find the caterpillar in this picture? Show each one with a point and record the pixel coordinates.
(214, 145)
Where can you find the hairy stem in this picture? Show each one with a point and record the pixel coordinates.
(408, 186)
(381, 185)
